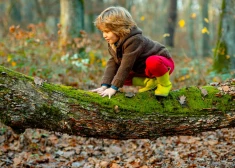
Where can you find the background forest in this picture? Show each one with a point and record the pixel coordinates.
(35, 38)
(57, 41)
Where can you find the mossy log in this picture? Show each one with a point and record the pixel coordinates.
(27, 102)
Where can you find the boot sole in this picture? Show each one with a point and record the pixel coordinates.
(148, 89)
(161, 95)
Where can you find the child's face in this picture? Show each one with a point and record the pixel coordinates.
(110, 37)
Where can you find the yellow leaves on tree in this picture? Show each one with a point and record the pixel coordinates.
(103, 62)
(93, 59)
(13, 63)
(227, 56)
(193, 15)
(166, 35)
(181, 23)
(205, 30)
(206, 20)
(142, 18)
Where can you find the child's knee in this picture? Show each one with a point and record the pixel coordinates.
(155, 66)
(153, 62)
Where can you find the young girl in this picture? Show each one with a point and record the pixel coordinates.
(135, 59)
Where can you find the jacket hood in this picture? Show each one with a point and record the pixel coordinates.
(134, 31)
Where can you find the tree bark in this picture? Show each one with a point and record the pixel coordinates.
(171, 23)
(27, 102)
(224, 57)
(206, 50)
(13, 12)
(191, 35)
(71, 20)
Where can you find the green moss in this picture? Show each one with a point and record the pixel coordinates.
(221, 63)
(46, 116)
(15, 74)
(49, 112)
(5, 119)
(146, 103)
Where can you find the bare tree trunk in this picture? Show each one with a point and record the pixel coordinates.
(92, 9)
(27, 12)
(224, 57)
(206, 51)
(89, 16)
(171, 23)
(129, 4)
(125, 3)
(29, 103)
(191, 39)
(13, 12)
(161, 9)
(71, 19)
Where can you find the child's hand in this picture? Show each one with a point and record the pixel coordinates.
(108, 92)
(100, 89)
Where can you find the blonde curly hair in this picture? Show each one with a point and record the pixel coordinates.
(115, 19)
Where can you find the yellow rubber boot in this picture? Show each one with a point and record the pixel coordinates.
(164, 85)
(146, 83)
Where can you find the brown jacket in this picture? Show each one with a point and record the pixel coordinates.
(131, 54)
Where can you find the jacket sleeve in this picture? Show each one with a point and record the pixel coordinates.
(110, 71)
(132, 48)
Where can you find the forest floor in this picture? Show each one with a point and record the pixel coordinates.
(40, 148)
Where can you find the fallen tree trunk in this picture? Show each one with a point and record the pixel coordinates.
(27, 102)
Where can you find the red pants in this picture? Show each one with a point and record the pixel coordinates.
(156, 66)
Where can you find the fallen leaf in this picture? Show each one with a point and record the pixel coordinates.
(144, 166)
(115, 165)
(68, 154)
(188, 139)
(212, 142)
(4, 147)
(115, 149)
(233, 81)
(53, 139)
(214, 83)
(104, 164)
(219, 94)
(40, 161)
(204, 92)
(38, 81)
(135, 164)
(116, 109)
(130, 94)
(182, 100)
(17, 161)
(78, 164)
(225, 88)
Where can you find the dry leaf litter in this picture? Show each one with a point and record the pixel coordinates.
(40, 148)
